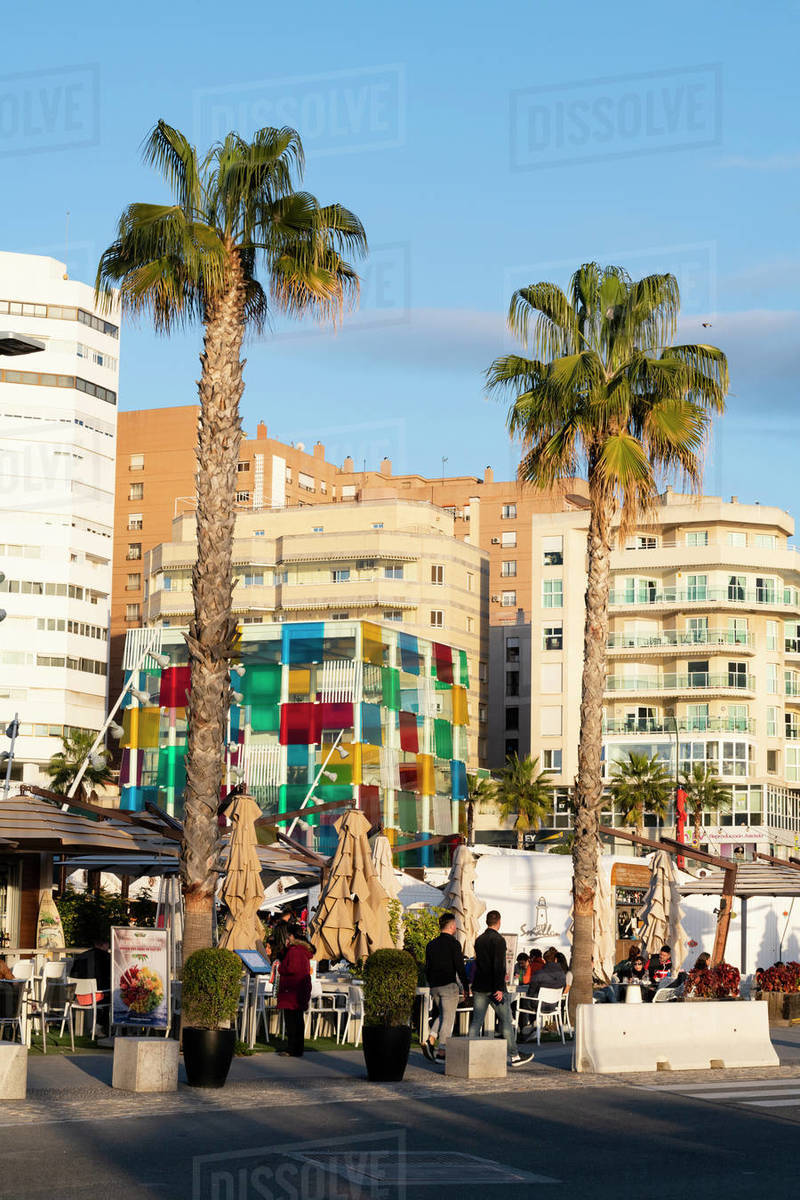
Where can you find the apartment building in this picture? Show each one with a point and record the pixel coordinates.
(703, 655)
(156, 482)
(387, 561)
(58, 417)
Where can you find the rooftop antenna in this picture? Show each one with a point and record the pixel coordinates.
(66, 247)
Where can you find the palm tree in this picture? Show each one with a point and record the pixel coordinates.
(640, 784)
(523, 791)
(607, 393)
(234, 211)
(480, 791)
(705, 792)
(65, 765)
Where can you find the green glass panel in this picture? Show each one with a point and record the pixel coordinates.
(261, 684)
(407, 811)
(265, 718)
(390, 680)
(291, 796)
(443, 738)
(464, 681)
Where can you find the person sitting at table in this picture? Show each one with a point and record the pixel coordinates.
(552, 974)
(660, 965)
(634, 951)
(633, 971)
(537, 961)
(703, 962)
(522, 970)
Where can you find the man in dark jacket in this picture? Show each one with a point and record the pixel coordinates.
(489, 987)
(552, 974)
(445, 971)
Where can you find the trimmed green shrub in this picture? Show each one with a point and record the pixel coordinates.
(420, 926)
(390, 982)
(211, 985)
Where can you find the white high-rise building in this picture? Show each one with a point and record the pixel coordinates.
(59, 369)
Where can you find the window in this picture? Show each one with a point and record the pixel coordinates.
(135, 521)
(508, 599)
(772, 762)
(738, 717)
(697, 717)
(134, 550)
(306, 482)
(508, 512)
(437, 618)
(772, 678)
(772, 721)
(791, 683)
(437, 574)
(697, 587)
(483, 714)
(766, 541)
(255, 579)
(551, 760)
(553, 637)
(318, 529)
(509, 538)
(512, 747)
(133, 612)
(288, 474)
(323, 487)
(512, 718)
(378, 525)
(134, 582)
(765, 590)
(341, 575)
(772, 635)
(697, 537)
(698, 673)
(737, 538)
(550, 678)
(512, 683)
(792, 768)
(737, 674)
(642, 541)
(483, 672)
(242, 467)
(280, 577)
(470, 581)
(550, 720)
(136, 491)
(349, 491)
(342, 616)
(697, 630)
(242, 497)
(395, 571)
(791, 637)
(512, 650)
(553, 551)
(136, 462)
(791, 727)
(736, 587)
(470, 624)
(259, 532)
(394, 614)
(553, 593)
(509, 569)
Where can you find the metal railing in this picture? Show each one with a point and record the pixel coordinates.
(704, 595)
(671, 683)
(634, 725)
(676, 637)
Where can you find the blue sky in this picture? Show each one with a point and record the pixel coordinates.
(483, 147)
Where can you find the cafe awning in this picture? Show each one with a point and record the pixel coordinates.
(752, 879)
(37, 825)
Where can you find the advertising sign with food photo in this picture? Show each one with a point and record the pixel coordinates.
(140, 977)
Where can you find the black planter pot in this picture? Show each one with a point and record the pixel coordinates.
(386, 1050)
(207, 1055)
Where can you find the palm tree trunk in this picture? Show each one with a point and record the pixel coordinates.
(470, 822)
(520, 838)
(589, 783)
(698, 822)
(212, 629)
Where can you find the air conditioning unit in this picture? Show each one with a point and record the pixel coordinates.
(495, 541)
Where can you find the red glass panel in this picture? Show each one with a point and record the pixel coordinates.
(175, 684)
(409, 736)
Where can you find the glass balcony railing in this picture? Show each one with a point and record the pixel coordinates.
(685, 725)
(791, 688)
(677, 637)
(672, 683)
(704, 595)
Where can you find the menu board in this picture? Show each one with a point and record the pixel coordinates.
(512, 941)
(140, 977)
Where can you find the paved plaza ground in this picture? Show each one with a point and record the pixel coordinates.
(312, 1129)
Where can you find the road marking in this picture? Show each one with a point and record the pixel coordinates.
(772, 1103)
(688, 1088)
(742, 1095)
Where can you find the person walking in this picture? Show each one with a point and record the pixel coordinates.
(489, 987)
(447, 978)
(294, 988)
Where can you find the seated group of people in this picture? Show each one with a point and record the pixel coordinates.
(651, 973)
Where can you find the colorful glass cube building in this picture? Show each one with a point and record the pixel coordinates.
(346, 711)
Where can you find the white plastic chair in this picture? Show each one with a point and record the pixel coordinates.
(12, 1005)
(671, 991)
(565, 1018)
(86, 988)
(56, 1005)
(550, 998)
(355, 1014)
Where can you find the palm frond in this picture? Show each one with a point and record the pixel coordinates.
(170, 152)
(555, 328)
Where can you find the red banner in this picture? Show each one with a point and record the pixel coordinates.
(680, 825)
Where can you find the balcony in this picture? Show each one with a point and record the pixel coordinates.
(649, 725)
(669, 639)
(695, 681)
(736, 597)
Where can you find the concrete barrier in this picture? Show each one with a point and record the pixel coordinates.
(476, 1058)
(13, 1071)
(693, 1036)
(145, 1064)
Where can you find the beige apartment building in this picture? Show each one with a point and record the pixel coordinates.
(703, 654)
(381, 560)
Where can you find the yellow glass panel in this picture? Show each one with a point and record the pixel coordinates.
(353, 759)
(460, 714)
(427, 781)
(130, 723)
(149, 724)
(373, 643)
(299, 681)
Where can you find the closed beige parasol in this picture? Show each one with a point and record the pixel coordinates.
(460, 898)
(661, 911)
(242, 890)
(352, 917)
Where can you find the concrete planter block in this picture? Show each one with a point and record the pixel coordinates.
(675, 1037)
(145, 1064)
(13, 1071)
(477, 1058)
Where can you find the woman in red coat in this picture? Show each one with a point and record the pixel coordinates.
(294, 988)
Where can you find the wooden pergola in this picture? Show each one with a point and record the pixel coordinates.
(680, 848)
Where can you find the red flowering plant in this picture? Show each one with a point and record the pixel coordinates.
(783, 978)
(714, 983)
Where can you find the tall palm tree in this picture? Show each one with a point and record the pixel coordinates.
(604, 391)
(66, 763)
(480, 791)
(235, 213)
(705, 792)
(523, 791)
(639, 785)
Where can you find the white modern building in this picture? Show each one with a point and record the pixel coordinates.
(59, 369)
